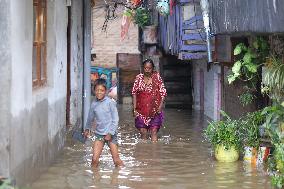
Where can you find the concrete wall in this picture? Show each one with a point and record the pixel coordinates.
(107, 44)
(211, 88)
(32, 120)
(76, 59)
(5, 84)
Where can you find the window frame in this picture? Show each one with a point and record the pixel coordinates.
(39, 43)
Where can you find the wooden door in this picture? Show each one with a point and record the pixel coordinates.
(129, 65)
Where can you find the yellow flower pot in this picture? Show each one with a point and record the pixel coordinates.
(223, 155)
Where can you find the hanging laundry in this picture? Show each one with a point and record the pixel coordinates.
(125, 23)
(136, 3)
(163, 7)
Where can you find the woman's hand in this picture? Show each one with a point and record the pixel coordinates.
(107, 137)
(135, 114)
(159, 109)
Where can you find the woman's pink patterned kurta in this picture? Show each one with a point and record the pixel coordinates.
(140, 85)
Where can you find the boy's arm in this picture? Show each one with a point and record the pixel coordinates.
(115, 118)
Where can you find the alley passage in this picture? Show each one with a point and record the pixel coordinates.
(179, 160)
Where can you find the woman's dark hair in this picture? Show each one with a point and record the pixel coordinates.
(100, 81)
(148, 60)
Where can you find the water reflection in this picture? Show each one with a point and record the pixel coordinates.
(180, 159)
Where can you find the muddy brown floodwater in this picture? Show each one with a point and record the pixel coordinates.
(180, 159)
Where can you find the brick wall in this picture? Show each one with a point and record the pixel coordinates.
(107, 44)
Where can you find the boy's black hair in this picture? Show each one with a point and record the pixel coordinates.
(148, 60)
(100, 81)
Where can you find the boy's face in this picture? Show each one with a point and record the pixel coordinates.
(100, 92)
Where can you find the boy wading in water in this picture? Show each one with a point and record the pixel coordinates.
(104, 113)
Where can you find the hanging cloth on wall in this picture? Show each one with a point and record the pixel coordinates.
(125, 23)
(172, 3)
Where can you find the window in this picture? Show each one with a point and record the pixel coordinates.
(39, 43)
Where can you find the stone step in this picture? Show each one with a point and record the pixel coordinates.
(179, 98)
(177, 79)
(178, 105)
(175, 73)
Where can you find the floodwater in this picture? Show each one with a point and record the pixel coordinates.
(180, 159)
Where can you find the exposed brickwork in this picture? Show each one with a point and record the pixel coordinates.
(107, 44)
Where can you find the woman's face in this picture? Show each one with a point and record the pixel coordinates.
(148, 69)
(100, 92)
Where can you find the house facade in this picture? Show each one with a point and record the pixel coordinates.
(182, 35)
(36, 68)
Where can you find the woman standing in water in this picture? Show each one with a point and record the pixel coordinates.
(148, 93)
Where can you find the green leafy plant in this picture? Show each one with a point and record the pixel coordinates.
(224, 132)
(142, 17)
(6, 184)
(249, 59)
(249, 126)
(246, 98)
(274, 124)
(277, 180)
(273, 82)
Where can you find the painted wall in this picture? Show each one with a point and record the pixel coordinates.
(76, 66)
(211, 85)
(5, 84)
(32, 121)
(107, 44)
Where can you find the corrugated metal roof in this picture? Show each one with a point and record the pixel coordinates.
(247, 16)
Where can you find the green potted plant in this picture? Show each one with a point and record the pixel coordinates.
(224, 136)
(249, 128)
(142, 17)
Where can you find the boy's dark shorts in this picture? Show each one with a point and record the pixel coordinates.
(101, 138)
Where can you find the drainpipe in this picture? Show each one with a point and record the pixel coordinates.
(87, 59)
(205, 13)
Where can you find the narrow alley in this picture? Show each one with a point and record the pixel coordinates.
(179, 160)
(214, 67)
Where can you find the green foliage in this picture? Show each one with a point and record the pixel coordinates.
(224, 132)
(274, 122)
(249, 59)
(277, 180)
(250, 124)
(246, 98)
(142, 17)
(6, 184)
(128, 12)
(274, 78)
(277, 177)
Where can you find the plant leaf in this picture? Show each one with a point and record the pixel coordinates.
(232, 78)
(251, 67)
(237, 67)
(238, 49)
(247, 57)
